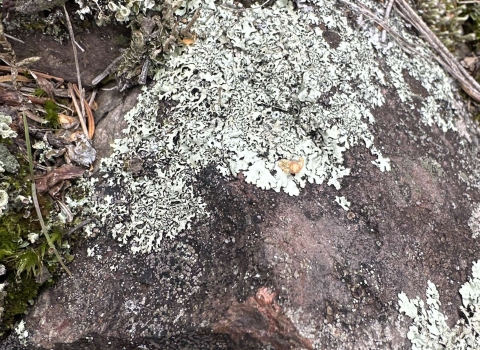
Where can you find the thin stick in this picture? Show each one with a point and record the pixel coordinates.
(92, 97)
(13, 38)
(79, 226)
(400, 41)
(107, 70)
(446, 59)
(78, 45)
(385, 18)
(185, 31)
(23, 70)
(77, 108)
(35, 199)
(77, 67)
(91, 121)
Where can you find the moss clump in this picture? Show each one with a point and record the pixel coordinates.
(25, 258)
(39, 93)
(52, 114)
(446, 19)
(20, 291)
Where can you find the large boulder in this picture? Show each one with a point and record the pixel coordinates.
(204, 241)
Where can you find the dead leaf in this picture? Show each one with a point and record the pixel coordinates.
(46, 86)
(68, 122)
(10, 97)
(65, 172)
(470, 63)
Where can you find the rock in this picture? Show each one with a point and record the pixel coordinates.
(337, 273)
(114, 106)
(101, 45)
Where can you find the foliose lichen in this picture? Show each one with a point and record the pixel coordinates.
(259, 85)
(8, 163)
(429, 329)
(5, 130)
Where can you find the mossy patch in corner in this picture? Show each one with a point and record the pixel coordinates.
(20, 293)
(25, 258)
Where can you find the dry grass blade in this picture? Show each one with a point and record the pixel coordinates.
(77, 108)
(35, 199)
(91, 121)
(77, 66)
(446, 59)
(8, 77)
(23, 70)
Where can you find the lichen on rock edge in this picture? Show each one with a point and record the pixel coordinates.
(429, 329)
(257, 86)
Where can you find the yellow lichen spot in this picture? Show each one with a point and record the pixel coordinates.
(291, 166)
(189, 41)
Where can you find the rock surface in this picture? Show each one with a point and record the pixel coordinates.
(333, 276)
(99, 47)
(337, 274)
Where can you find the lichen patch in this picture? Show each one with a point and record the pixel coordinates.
(255, 88)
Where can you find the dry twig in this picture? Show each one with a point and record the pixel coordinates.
(397, 37)
(385, 18)
(77, 67)
(91, 122)
(445, 58)
(110, 69)
(77, 108)
(23, 70)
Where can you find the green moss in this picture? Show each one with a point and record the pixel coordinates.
(39, 93)
(19, 293)
(52, 114)
(24, 260)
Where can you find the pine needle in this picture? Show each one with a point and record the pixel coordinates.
(35, 199)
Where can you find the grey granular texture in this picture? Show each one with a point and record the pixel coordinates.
(7, 160)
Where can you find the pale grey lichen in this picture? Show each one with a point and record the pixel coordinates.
(474, 221)
(3, 201)
(429, 329)
(5, 130)
(343, 202)
(256, 87)
(420, 66)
